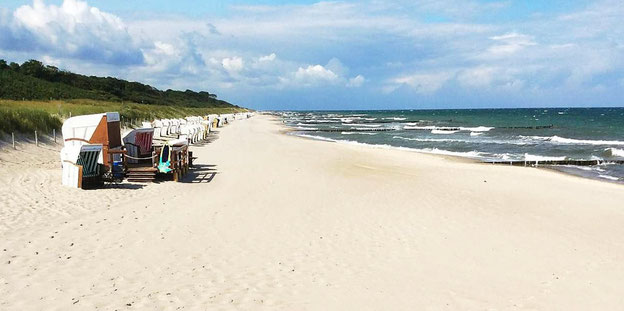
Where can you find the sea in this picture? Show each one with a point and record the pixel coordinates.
(489, 135)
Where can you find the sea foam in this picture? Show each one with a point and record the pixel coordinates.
(608, 177)
(443, 132)
(572, 141)
(614, 152)
(532, 157)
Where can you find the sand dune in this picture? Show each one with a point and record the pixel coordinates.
(269, 221)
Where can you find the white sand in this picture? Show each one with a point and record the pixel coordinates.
(276, 222)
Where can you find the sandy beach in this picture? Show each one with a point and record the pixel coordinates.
(268, 221)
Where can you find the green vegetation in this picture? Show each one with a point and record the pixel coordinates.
(27, 116)
(34, 81)
(24, 120)
(38, 97)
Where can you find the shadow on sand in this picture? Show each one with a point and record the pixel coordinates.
(202, 173)
(129, 186)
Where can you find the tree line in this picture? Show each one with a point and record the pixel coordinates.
(33, 80)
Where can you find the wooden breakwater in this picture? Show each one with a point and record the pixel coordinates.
(538, 127)
(557, 162)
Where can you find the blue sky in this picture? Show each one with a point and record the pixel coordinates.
(367, 54)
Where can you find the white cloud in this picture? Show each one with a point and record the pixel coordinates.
(267, 58)
(356, 81)
(510, 43)
(314, 75)
(73, 29)
(165, 48)
(233, 64)
(51, 61)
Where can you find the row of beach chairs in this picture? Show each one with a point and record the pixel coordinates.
(96, 151)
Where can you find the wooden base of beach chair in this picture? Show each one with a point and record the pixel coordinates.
(141, 174)
(191, 158)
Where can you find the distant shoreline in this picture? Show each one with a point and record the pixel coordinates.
(457, 158)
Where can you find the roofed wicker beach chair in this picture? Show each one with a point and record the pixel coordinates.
(139, 145)
(103, 130)
(81, 167)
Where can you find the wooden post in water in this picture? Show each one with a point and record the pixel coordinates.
(36, 139)
(13, 139)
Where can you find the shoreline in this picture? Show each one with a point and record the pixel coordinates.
(456, 158)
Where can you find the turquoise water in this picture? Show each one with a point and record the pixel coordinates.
(484, 134)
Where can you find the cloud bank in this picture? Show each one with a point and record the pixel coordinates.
(377, 54)
(72, 30)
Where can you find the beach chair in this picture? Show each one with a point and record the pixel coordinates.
(139, 144)
(157, 129)
(166, 129)
(103, 130)
(81, 167)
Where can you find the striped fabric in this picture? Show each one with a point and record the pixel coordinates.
(89, 162)
(144, 141)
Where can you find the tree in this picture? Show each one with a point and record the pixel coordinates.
(32, 68)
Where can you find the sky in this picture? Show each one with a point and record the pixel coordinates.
(310, 55)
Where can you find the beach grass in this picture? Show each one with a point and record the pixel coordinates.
(28, 116)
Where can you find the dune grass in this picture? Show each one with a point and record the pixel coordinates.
(28, 116)
(25, 120)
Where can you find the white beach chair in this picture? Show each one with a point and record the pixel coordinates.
(81, 166)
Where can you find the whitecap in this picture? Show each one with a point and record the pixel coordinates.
(608, 177)
(614, 152)
(531, 157)
(364, 125)
(572, 141)
(445, 132)
(476, 129)
(395, 119)
(563, 140)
